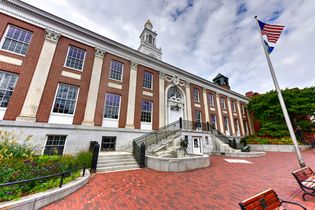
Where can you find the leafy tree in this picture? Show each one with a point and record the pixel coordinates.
(300, 104)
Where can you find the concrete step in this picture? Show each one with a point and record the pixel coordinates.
(102, 165)
(117, 168)
(113, 158)
(116, 160)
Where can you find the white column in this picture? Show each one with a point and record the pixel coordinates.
(94, 87)
(205, 102)
(232, 130)
(220, 113)
(34, 94)
(132, 95)
(250, 124)
(240, 118)
(188, 102)
(162, 112)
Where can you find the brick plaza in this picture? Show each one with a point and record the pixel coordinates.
(221, 186)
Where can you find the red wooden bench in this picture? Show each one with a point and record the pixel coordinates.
(306, 179)
(267, 200)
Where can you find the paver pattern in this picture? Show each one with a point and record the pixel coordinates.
(221, 186)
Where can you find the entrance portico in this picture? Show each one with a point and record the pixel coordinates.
(175, 104)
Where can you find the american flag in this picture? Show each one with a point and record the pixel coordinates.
(271, 31)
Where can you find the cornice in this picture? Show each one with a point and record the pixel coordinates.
(40, 18)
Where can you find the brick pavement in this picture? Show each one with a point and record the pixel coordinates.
(221, 186)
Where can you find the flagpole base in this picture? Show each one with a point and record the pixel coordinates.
(302, 163)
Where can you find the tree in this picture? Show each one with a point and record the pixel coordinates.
(300, 104)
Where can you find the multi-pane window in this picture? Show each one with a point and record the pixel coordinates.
(198, 119)
(223, 105)
(75, 58)
(236, 125)
(211, 99)
(233, 106)
(65, 99)
(147, 80)
(213, 121)
(245, 126)
(7, 85)
(226, 123)
(55, 145)
(146, 111)
(116, 70)
(16, 40)
(196, 95)
(112, 103)
(243, 109)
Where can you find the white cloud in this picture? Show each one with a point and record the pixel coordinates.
(208, 37)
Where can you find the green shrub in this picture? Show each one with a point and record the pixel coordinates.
(268, 140)
(18, 162)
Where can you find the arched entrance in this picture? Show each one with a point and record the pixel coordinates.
(175, 104)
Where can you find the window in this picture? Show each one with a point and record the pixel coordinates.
(211, 99)
(108, 143)
(16, 40)
(112, 104)
(75, 58)
(213, 121)
(236, 126)
(233, 106)
(55, 145)
(223, 106)
(243, 109)
(245, 126)
(198, 119)
(7, 85)
(116, 70)
(196, 95)
(147, 80)
(65, 99)
(146, 111)
(226, 123)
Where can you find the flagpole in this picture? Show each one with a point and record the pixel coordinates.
(282, 104)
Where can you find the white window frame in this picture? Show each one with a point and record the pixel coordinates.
(227, 123)
(151, 113)
(151, 81)
(64, 146)
(233, 105)
(113, 119)
(216, 122)
(221, 104)
(83, 63)
(17, 75)
(211, 95)
(122, 71)
(198, 98)
(75, 105)
(4, 37)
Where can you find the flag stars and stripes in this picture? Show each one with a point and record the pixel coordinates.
(271, 31)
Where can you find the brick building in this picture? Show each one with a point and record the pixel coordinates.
(66, 85)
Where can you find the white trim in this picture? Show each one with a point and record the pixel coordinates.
(118, 109)
(4, 36)
(151, 80)
(166, 107)
(122, 70)
(75, 105)
(151, 111)
(114, 85)
(65, 66)
(64, 146)
(2, 112)
(71, 75)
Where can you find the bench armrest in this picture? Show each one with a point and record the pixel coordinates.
(289, 202)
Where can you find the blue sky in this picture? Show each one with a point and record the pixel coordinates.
(209, 37)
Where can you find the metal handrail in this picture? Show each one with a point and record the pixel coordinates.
(62, 174)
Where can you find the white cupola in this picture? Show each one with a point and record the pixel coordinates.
(148, 42)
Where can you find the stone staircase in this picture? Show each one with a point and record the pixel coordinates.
(166, 147)
(116, 161)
